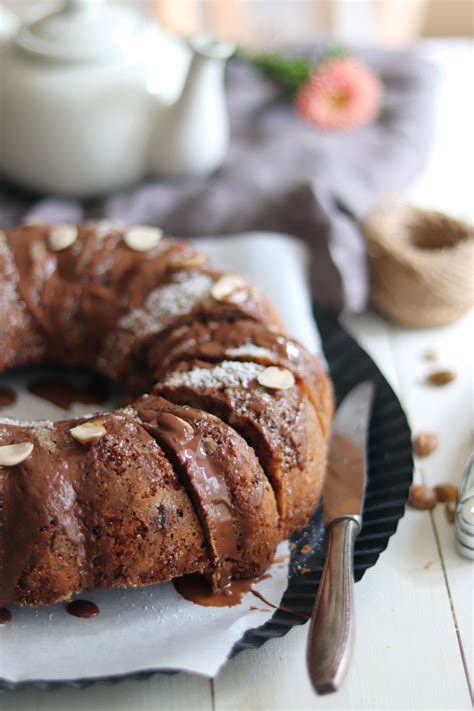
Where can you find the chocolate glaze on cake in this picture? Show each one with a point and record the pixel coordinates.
(280, 425)
(205, 475)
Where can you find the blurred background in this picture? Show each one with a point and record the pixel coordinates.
(267, 23)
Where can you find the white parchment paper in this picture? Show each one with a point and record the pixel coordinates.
(154, 627)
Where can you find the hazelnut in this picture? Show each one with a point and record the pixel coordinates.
(441, 377)
(446, 493)
(424, 443)
(422, 497)
(450, 511)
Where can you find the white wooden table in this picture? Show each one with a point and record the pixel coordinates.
(414, 647)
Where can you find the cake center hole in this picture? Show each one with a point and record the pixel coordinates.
(55, 392)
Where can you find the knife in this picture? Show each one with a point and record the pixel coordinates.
(332, 621)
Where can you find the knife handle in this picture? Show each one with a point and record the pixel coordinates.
(332, 620)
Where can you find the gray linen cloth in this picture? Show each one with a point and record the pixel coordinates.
(284, 175)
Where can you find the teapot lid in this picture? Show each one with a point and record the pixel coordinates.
(82, 30)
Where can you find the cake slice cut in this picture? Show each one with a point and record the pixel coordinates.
(225, 481)
(185, 296)
(101, 512)
(277, 420)
(244, 340)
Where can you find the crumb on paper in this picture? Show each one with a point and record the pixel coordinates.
(432, 355)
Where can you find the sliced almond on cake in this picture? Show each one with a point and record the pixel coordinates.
(12, 454)
(191, 262)
(61, 237)
(142, 238)
(88, 432)
(231, 288)
(276, 378)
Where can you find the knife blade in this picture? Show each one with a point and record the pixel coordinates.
(332, 621)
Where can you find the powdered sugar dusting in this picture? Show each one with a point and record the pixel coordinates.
(129, 411)
(8, 291)
(103, 228)
(41, 429)
(10, 422)
(228, 374)
(165, 304)
(245, 396)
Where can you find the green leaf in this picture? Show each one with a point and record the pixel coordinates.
(337, 51)
(290, 73)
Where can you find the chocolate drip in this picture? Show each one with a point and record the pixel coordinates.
(76, 296)
(274, 423)
(101, 514)
(39, 494)
(5, 616)
(7, 397)
(206, 485)
(195, 588)
(84, 609)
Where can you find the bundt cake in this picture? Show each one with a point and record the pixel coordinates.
(221, 460)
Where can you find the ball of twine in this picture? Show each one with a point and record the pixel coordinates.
(421, 265)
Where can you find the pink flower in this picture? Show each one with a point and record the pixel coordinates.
(341, 93)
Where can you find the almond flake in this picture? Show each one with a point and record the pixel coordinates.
(11, 454)
(142, 238)
(231, 288)
(276, 378)
(88, 432)
(238, 297)
(193, 261)
(61, 237)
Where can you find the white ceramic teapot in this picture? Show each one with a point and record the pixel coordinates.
(94, 98)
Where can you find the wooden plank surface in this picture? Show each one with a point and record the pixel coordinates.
(447, 411)
(406, 654)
